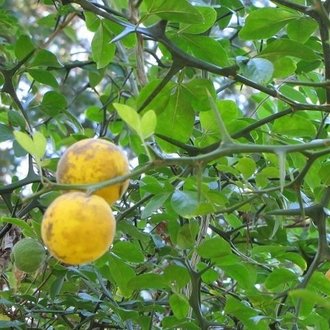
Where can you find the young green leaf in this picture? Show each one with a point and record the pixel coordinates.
(26, 142)
(130, 117)
(148, 124)
(35, 146)
(40, 144)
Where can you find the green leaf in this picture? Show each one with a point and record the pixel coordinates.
(184, 203)
(294, 126)
(320, 282)
(40, 143)
(129, 229)
(45, 58)
(126, 35)
(265, 22)
(177, 119)
(287, 47)
(87, 297)
(280, 276)
(176, 276)
(56, 286)
(148, 124)
(266, 173)
(294, 258)
(92, 21)
(208, 276)
(246, 166)
(179, 305)
(36, 146)
(301, 29)
(257, 69)
(284, 66)
(173, 10)
(44, 77)
(102, 50)
(122, 274)
(198, 91)
(160, 102)
(53, 103)
(202, 47)
(147, 281)
(154, 204)
(186, 236)
(238, 308)
(245, 276)
(95, 76)
(26, 229)
(214, 248)
(25, 141)
(23, 46)
(5, 133)
(149, 184)
(209, 17)
(309, 295)
(294, 94)
(211, 201)
(130, 117)
(128, 251)
(95, 113)
(324, 173)
(229, 113)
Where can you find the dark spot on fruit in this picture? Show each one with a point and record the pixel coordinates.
(49, 230)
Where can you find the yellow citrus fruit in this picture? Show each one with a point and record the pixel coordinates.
(78, 228)
(93, 161)
(327, 274)
(28, 255)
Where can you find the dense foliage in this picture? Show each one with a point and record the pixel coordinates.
(222, 107)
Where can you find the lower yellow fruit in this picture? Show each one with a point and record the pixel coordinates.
(93, 161)
(78, 228)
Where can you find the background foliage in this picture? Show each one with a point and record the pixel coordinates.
(222, 107)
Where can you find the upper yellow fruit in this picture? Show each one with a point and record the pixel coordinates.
(78, 228)
(93, 161)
